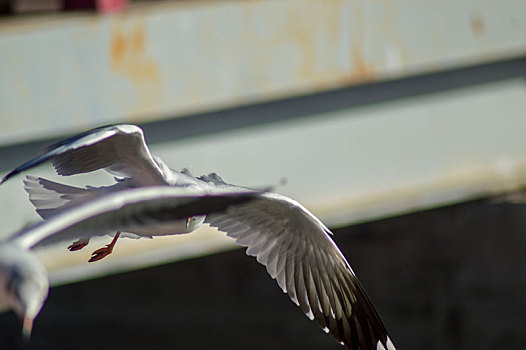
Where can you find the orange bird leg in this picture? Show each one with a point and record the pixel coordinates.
(103, 252)
(78, 245)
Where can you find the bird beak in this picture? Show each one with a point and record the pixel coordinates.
(27, 327)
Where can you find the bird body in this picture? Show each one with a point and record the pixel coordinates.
(151, 199)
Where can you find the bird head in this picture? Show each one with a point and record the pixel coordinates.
(23, 284)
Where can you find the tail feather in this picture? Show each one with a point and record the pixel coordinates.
(50, 198)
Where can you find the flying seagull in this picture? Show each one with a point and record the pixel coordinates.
(294, 245)
(23, 279)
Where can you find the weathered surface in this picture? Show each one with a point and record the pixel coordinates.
(163, 59)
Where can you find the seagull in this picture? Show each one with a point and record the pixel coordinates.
(24, 283)
(293, 244)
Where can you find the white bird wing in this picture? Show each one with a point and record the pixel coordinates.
(298, 252)
(119, 149)
(128, 209)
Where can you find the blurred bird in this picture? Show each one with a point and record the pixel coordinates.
(23, 284)
(292, 243)
(23, 279)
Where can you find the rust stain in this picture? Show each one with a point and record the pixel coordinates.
(138, 39)
(129, 58)
(312, 31)
(118, 48)
(477, 25)
(362, 71)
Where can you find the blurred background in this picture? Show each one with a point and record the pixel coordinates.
(400, 123)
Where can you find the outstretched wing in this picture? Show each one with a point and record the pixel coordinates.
(298, 252)
(119, 149)
(128, 210)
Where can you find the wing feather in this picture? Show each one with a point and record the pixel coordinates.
(289, 280)
(323, 302)
(266, 248)
(313, 296)
(331, 302)
(298, 252)
(128, 210)
(119, 149)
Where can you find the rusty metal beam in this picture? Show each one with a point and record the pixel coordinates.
(62, 74)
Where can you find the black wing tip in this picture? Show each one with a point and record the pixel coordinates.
(5, 178)
(12, 173)
(28, 165)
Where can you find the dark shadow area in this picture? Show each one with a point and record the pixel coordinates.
(448, 278)
(297, 107)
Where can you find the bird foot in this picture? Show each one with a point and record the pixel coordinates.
(101, 253)
(78, 245)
